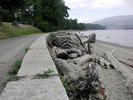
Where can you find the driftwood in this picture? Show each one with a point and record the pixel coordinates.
(88, 48)
(80, 71)
(63, 42)
(74, 53)
(85, 81)
(68, 69)
(100, 61)
(60, 53)
(92, 38)
(80, 41)
(65, 54)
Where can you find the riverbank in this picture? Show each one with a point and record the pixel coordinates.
(109, 64)
(119, 83)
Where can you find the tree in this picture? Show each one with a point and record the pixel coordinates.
(9, 7)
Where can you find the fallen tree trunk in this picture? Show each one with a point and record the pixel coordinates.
(85, 80)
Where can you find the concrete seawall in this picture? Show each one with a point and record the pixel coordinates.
(35, 62)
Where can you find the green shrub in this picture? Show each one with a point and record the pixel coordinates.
(44, 26)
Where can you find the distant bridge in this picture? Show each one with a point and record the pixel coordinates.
(117, 27)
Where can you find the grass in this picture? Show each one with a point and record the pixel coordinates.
(66, 84)
(46, 74)
(12, 73)
(7, 30)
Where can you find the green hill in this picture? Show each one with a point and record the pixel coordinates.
(7, 30)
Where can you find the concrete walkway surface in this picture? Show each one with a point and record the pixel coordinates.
(36, 61)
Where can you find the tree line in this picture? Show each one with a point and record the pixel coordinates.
(47, 15)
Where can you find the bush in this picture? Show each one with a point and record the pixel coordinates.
(45, 26)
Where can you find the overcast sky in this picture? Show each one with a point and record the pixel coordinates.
(91, 10)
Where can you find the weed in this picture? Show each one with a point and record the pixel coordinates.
(68, 85)
(26, 50)
(16, 67)
(46, 74)
(12, 73)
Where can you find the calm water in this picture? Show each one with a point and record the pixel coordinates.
(121, 37)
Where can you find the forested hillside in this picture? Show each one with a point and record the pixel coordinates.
(47, 15)
(89, 26)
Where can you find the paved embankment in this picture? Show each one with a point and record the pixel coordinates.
(36, 61)
(11, 50)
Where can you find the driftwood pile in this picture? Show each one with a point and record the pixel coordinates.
(79, 71)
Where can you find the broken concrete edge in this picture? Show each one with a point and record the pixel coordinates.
(18, 89)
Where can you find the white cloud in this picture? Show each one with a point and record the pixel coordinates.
(94, 4)
(107, 3)
(78, 3)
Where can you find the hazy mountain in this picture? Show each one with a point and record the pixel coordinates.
(117, 22)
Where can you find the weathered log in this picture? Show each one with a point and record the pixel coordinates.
(80, 41)
(81, 73)
(92, 38)
(74, 53)
(68, 69)
(100, 61)
(86, 81)
(63, 42)
(61, 53)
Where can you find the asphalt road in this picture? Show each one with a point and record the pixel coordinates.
(11, 50)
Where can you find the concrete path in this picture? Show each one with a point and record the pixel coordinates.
(36, 61)
(11, 50)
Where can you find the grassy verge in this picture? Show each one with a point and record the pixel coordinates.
(7, 30)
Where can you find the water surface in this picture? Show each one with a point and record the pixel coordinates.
(121, 37)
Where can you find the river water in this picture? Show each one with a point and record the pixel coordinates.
(120, 37)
